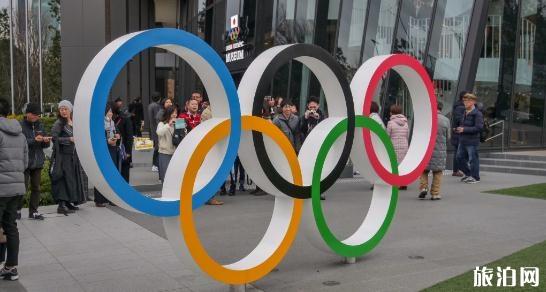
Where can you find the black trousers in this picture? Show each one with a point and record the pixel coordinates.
(33, 177)
(99, 198)
(8, 215)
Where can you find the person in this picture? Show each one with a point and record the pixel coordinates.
(398, 130)
(437, 162)
(13, 162)
(469, 129)
(374, 114)
(136, 109)
(278, 104)
(196, 95)
(37, 140)
(289, 124)
(207, 112)
(67, 187)
(153, 109)
(113, 139)
(165, 131)
(192, 115)
(123, 123)
(457, 113)
(312, 116)
(205, 115)
(165, 103)
(268, 108)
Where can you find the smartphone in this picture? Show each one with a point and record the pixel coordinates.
(180, 124)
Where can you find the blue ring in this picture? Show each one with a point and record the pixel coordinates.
(133, 46)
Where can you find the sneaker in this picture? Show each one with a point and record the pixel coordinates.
(423, 194)
(464, 178)
(436, 198)
(471, 180)
(242, 188)
(36, 216)
(9, 274)
(457, 173)
(214, 202)
(322, 197)
(155, 169)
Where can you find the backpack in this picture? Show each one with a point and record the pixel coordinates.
(486, 129)
(484, 133)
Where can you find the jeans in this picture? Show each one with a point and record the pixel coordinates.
(456, 166)
(164, 160)
(468, 155)
(8, 215)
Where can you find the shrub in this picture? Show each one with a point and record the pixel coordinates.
(45, 188)
(46, 121)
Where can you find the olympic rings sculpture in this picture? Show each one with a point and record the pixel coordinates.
(204, 158)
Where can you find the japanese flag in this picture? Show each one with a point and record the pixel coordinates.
(235, 21)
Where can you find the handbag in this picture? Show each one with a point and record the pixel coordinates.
(122, 152)
(55, 168)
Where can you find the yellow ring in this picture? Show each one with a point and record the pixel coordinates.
(187, 225)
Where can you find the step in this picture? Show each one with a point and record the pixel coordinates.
(515, 170)
(513, 162)
(513, 156)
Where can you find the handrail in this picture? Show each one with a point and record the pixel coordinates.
(501, 122)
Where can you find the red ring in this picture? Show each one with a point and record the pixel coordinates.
(387, 64)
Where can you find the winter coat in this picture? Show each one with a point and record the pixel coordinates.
(457, 114)
(71, 187)
(398, 130)
(439, 155)
(36, 156)
(291, 128)
(472, 123)
(307, 125)
(13, 158)
(125, 128)
(153, 109)
(165, 136)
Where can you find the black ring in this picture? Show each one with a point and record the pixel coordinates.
(290, 53)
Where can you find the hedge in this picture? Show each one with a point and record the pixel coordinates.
(45, 189)
(46, 121)
(45, 184)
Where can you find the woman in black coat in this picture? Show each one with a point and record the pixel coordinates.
(67, 182)
(113, 140)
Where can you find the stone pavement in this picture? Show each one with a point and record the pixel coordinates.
(108, 249)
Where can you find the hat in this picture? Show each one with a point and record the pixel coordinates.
(66, 104)
(33, 108)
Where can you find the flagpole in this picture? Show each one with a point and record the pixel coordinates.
(27, 51)
(40, 53)
(11, 56)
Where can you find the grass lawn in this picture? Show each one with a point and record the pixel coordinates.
(537, 191)
(533, 256)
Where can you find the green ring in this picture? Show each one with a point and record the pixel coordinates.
(336, 245)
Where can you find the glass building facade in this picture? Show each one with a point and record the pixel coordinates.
(491, 47)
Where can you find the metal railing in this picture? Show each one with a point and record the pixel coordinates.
(501, 122)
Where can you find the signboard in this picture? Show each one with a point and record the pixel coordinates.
(235, 39)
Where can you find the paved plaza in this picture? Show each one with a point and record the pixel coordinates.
(109, 249)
